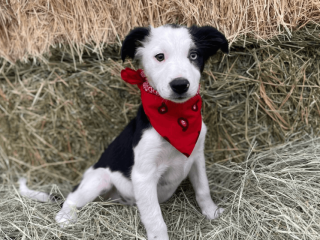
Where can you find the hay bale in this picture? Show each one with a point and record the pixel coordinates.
(60, 119)
(271, 195)
(58, 113)
(267, 92)
(55, 119)
(29, 28)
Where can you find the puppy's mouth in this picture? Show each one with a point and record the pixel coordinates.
(176, 97)
(180, 99)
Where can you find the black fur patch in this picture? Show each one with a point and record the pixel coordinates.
(119, 155)
(133, 41)
(75, 188)
(199, 62)
(208, 41)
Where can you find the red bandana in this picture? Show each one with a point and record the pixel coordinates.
(178, 123)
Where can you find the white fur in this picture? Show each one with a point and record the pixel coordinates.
(35, 195)
(94, 183)
(175, 43)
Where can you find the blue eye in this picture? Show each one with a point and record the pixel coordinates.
(193, 56)
(159, 57)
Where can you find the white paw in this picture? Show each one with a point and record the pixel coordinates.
(213, 212)
(66, 216)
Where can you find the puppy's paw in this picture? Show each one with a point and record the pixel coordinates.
(213, 212)
(66, 216)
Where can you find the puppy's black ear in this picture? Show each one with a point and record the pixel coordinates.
(132, 41)
(208, 40)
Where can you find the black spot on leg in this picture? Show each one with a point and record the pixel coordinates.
(75, 188)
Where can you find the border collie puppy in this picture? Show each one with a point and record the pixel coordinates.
(141, 166)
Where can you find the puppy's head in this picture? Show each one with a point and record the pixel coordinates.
(173, 57)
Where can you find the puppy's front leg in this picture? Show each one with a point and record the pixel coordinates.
(145, 191)
(199, 180)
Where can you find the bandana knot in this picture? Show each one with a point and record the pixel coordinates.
(178, 123)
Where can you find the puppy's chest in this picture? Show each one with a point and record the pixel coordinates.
(154, 154)
(174, 174)
(174, 167)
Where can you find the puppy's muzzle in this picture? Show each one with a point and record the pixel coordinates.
(179, 85)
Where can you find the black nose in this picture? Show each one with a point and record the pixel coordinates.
(179, 85)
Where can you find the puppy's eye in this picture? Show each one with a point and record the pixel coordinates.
(159, 57)
(193, 56)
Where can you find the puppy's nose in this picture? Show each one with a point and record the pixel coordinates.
(179, 85)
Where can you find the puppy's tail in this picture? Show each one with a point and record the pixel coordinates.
(35, 195)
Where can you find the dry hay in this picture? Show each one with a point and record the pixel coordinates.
(272, 195)
(29, 28)
(55, 121)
